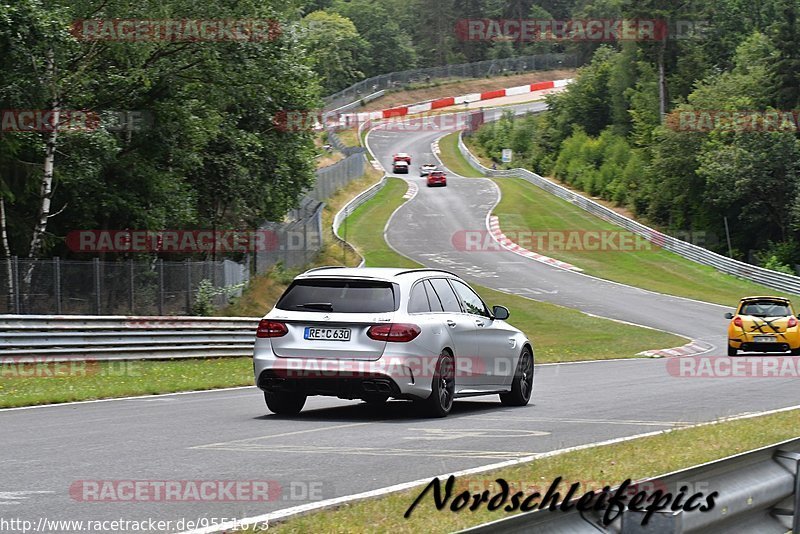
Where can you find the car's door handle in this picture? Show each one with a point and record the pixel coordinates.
(451, 323)
(479, 322)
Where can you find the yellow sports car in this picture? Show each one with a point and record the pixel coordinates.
(763, 324)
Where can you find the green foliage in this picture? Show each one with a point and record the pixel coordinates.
(204, 299)
(604, 134)
(207, 153)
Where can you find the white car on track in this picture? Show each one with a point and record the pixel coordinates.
(376, 333)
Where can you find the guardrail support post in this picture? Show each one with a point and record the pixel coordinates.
(795, 513)
(57, 268)
(15, 268)
(161, 287)
(188, 287)
(131, 282)
(96, 265)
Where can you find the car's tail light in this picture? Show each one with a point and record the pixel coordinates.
(267, 328)
(792, 322)
(398, 332)
(737, 321)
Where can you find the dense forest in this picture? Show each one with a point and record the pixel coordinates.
(182, 133)
(688, 133)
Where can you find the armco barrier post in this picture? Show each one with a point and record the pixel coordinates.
(131, 275)
(96, 270)
(795, 513)
(57, 269)
(188, 269)
(161, 287)
(15, 268)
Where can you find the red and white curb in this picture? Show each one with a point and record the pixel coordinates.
(508, 244)
(430, 105)
(412, 191)
(435, 147)
(690, 349)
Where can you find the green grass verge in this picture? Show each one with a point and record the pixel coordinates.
(607, 465)
(590, 338)
(48, 382)
(525, 208)
(452, 158)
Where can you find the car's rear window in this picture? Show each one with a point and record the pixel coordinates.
(340, 296)
(765, 308)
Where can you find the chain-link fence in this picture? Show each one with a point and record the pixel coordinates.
(95, 287)
(300, 235)
(159, 287)
(479, 69)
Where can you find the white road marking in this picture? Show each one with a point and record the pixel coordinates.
(16, 497)
(581, 421)
(303, 508)
(374, 451)
(438, 434)
(283, 434)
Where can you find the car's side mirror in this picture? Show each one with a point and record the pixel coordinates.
(729, 315)
(500, 312)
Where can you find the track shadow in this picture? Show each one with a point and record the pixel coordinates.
(393, 411)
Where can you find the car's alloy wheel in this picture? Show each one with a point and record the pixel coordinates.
(284, 403)
(522, 385)
(443, 387)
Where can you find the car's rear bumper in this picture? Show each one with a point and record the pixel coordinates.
(400, 376)
(782, 343)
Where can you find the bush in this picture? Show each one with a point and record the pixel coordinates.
(204, 299)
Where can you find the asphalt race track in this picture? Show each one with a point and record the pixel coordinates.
(336, 447)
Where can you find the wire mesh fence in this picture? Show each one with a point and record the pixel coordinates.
(159, 287)
(479, 69)
(96, 287)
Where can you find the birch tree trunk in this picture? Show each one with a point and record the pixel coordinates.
(6, 249)
(46, 185)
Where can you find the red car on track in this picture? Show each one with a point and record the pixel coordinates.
(437, 178)
(401, 156)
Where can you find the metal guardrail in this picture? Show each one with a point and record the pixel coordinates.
(759, 491)
(351, 206)
(478, 69)
(92, 337)
(754, 273)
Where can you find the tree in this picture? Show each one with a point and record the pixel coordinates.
(335, 49)
(390, 46)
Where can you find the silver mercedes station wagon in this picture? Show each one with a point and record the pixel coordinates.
(380, 333)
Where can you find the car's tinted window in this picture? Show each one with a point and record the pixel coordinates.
(436, 304)
(765, 308)
(339, 296)
(418, 302)
(469, 299)
(447, 297)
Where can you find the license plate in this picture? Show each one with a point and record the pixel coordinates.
(327, 334)
(764, 339)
